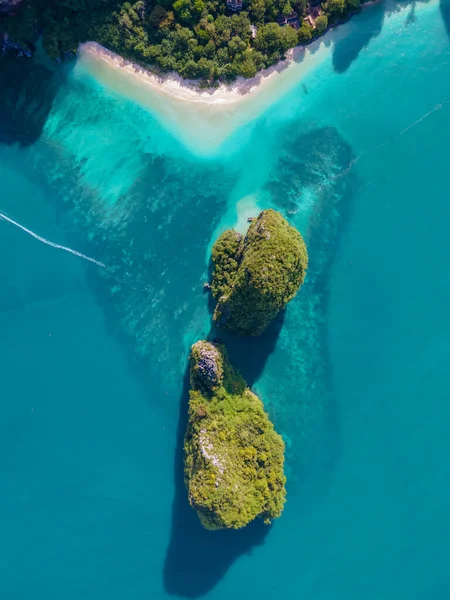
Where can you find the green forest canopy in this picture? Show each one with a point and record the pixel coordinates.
(200, 39)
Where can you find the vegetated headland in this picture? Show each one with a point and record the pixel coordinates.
(211, 41)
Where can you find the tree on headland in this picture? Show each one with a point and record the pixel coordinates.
(321, 24)
(273, 40)
(334, 8)
(188, 11)
(353, 4)
(305, 33)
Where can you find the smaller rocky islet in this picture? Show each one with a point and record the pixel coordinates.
(233, 456)
(256, 275)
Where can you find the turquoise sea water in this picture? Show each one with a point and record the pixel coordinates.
(354, 374)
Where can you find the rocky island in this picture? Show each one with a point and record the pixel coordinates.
(255, 276)
(233, 456)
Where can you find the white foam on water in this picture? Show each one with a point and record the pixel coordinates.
(49, 243)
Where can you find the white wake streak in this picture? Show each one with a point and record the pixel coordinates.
(53, 245)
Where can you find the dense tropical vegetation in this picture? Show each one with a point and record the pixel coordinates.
(233, 456)
(201, 39)
(255, 276)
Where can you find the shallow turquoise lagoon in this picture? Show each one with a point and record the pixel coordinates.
(355, 374)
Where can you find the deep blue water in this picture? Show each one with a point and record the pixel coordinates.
(355, 374)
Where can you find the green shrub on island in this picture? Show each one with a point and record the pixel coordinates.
(226, 256)
(273, 41)
(255, 276)
(233, 457)
(305, 33)
(321, 24)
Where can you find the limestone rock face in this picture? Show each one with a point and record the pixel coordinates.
(257, 275)
(206, 367)
(233, 457)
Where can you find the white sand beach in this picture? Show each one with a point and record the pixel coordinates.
(175, 86)
(298, 61)
(201, 118)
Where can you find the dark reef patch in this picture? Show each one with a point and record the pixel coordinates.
(317, 163)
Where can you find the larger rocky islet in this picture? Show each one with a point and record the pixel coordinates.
(233, 456)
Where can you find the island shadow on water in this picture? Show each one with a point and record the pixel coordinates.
(27, 92)
(197, 559)
(369, 26)
(248, 354)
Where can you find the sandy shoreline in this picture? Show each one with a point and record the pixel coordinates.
(175, 86)
(203, 119)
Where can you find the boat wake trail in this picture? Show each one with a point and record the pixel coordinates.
(53, 245)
